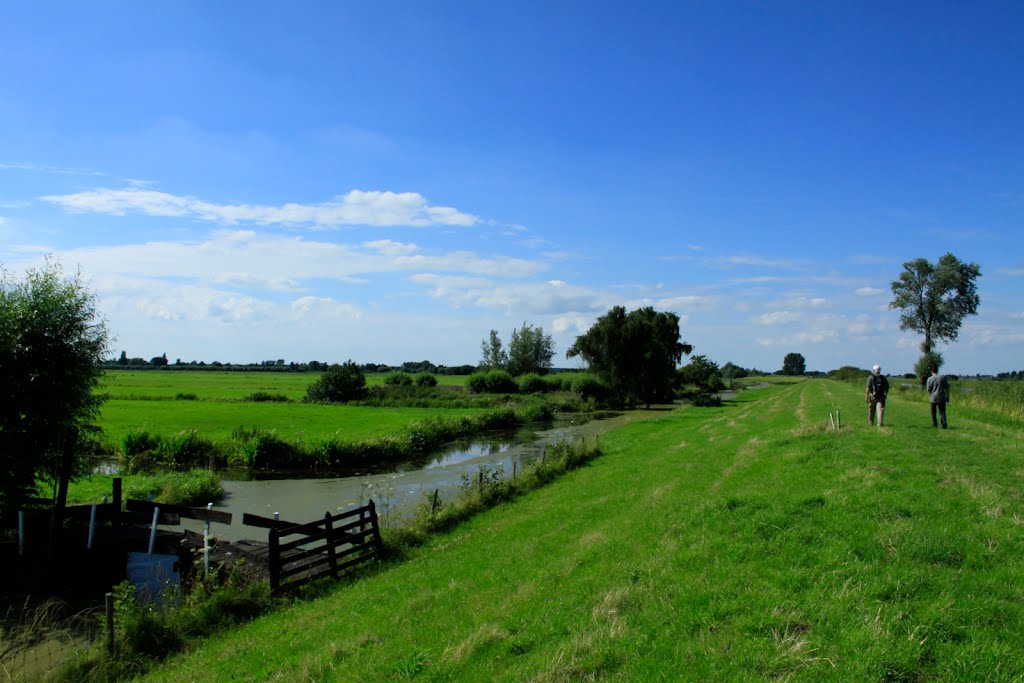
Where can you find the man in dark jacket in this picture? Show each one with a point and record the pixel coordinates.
(877, 388)
(938, 395)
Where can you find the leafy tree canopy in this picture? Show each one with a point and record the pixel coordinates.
(933, 299)
(635, 354)
(52, 340)
(702, 373)
(529, 350)
(345, 382)
(794, 364)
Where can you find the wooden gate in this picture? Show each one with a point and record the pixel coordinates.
(300, 553)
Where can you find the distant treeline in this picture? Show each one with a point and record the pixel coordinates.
(161, 363)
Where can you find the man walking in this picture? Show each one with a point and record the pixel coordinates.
(938, 395)
(877, 388)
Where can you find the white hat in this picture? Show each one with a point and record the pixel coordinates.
(877, 368)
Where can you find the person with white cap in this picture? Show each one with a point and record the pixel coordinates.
(877, 388)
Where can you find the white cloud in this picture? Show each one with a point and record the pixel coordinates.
(318, 306)
(357, 207)
(777, 318)
(690, 302)
(391, 248)
(42, 168)
(869, 291)
(537, 298)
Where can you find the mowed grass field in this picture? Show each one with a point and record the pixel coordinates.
(146, 400)
(748, 542)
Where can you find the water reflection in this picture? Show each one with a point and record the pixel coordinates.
(400, 489)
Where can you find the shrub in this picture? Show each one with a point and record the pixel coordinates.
(707, 401)
(266, 397)
(426, 379)
(398, 379)
(590, 388)
(180, 396)
(186, 448)
(533, 383)
(492, 382)
(266, 450)
(339, 383)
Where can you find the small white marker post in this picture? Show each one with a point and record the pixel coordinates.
(206, 543)
(92, 526)
(152, 531)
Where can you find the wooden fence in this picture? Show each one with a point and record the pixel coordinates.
(300, 553)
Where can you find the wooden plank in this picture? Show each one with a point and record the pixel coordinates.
(250, 519)
(202, 514)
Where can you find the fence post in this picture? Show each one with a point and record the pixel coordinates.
(109, 603)
(274, 560)
(433, 503)
(514, 471)
(480, 484)
(375, 524)
(206, 543)
(332, 560)
(116, 495)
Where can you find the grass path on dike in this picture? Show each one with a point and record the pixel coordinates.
(742, 543)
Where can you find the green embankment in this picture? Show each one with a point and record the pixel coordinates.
(747, 542)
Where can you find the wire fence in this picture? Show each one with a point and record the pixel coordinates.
(38, 640)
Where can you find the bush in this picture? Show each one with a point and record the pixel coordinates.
(265, 397)
(398, 379)
(531, 383)
(590, 388)
(266, 450)
(180, 396)
(707, 401)
(186, 448)
(426, 379)
(492, 382)
(339, 383)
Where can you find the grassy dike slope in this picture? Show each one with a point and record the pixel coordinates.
(740, 543)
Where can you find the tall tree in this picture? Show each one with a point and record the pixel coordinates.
(493, 355)
(794, 364)
(52, 341)
(934, 299)
(530, 350)
(634, 353)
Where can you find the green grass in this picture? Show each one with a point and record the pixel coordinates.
(210, 385)
(749, 542)
(217, 419)
(197, 487)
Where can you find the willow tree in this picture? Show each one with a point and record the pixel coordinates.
(934, 299)
(634, 353)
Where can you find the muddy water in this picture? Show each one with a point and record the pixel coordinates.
(398, 491)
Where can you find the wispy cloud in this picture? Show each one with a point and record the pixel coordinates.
(357, 207)
(868, 291)
(42, 168)
(540, 298)
(777, 318)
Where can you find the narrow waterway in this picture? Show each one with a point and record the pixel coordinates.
(399, 490)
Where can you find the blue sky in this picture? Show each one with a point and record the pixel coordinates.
(388, 181)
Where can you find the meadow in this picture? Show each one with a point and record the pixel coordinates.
(747, 542)
(215, 405)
